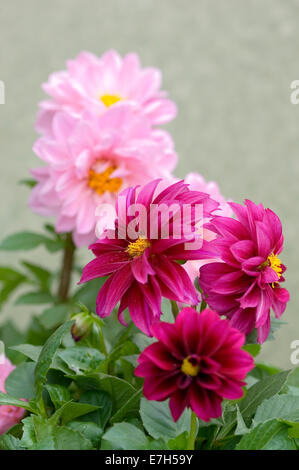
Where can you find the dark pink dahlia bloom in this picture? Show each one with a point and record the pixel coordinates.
(196, 362)
(143, 267)
(246, 284)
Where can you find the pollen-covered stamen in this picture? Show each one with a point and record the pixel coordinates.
(190, 366)
(138, 247)
(109, 100)
(275, 264)
(101, 182)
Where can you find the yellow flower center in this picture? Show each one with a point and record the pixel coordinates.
(138, 247)
(101, 182)
(190, 366)
(275, 264)
(109, 100)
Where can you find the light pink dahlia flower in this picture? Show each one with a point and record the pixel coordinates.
(198, 183)
(90, 160)
(246, 284)
(92, 82)
(196, 362)
(143, 267)
(9, 415)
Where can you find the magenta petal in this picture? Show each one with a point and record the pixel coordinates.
(281, 297)
(177, 403)
(160, 388)
(104, 265)
(243, 250)
(243, 320)
(161, 357)
(231, 390)
(269, 276)
(113, 290)
(263, 331)
(205, 404)
(140, 312)
(141, 268)
(176, 280)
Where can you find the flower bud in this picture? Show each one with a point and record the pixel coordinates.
(82, 326)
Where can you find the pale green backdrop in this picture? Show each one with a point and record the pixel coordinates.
(228, 64)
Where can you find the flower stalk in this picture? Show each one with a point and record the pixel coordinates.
(192, 434)
(66, 270)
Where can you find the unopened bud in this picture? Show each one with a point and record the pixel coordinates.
(82, 326)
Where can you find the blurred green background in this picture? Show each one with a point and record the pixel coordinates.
(228, 65)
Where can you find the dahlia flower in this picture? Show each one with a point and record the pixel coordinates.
(246, 284)
(9, 415)
(197, 183)
(98, 83)
(142, 268)
(90, 160)
(196, 362)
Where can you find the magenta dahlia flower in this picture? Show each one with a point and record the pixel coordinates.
(197, 182)
(142, 268)
(9, 415)
(90, 160)
(98, 83)
(196, 362)
(246, 284)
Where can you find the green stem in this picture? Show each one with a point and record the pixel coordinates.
(102, 341)
(42, 407)
(192, 435)
(67, 266)
(174, 308)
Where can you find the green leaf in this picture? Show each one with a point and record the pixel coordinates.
(101, 399)
(28, 350)
(293, 430)
(279, 406)
(179, 442)
(68, 439)
(272, 435)
(53, 316)
(47, 355)
(293, 382)
(129, 408)
(10, 336)
(261, 391)
(9, 442)
(158, 422)
(28, 182)
(241, 426)
(11, 280)
(20, 382)
(58, 394)
(51, 437)
(124, 436)
(6, 399)
(35, 298)
(89, 430)
(72, 410)
(119, 390)
(253, 349)
(9, 274)
(87, 294)
(22, 241)
(28, 437)
(81, 358)
(41, 275)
